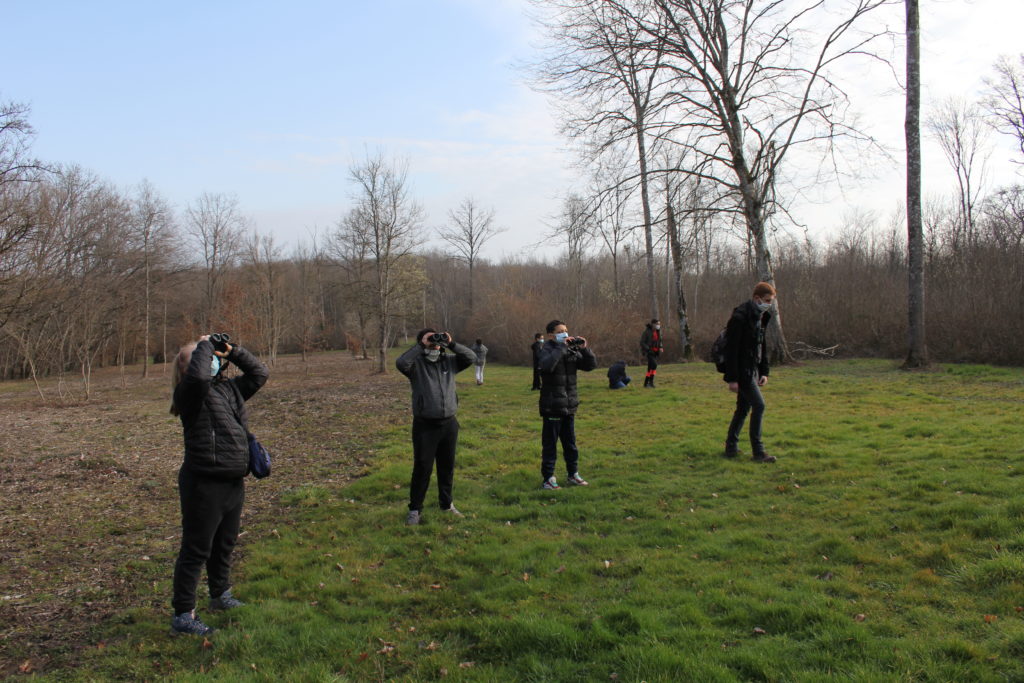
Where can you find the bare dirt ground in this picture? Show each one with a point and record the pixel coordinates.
(89, 517)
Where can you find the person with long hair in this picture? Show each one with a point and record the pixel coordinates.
(211, 479)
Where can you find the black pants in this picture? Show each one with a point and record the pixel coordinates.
(652, 367)
(211, 510)
(558, 429)
(536, 376)
(748, 400)
(433, 441)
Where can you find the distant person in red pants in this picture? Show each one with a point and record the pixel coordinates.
(651, 347)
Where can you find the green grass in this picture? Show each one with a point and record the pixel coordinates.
(886, 544)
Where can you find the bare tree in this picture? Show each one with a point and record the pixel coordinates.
(917, 350)
(152, 225)
(751, 84)
(469, 229)
(388, 222)
(1004, 100)
(19, 174)
(959, 129)
(574, 229)
(604, 63)
(264, 258)
(215, 224)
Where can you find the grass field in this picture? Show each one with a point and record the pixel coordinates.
(886, 544)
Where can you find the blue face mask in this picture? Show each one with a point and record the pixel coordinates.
(561, 337)
(215, 366)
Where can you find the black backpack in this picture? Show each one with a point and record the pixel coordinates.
(718, 351)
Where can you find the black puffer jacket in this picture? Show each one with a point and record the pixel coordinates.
(213, 413)
(743, 337)
(558, 365)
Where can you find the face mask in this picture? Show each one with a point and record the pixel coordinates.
(215, 366)
(432, 355)
(657, 327)
(762, 306)
(561, 337)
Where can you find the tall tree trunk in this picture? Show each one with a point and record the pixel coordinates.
(917, 351)
(677, 266)
(641, 146)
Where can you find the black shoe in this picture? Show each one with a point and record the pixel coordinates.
(731, 452)
(763, 457)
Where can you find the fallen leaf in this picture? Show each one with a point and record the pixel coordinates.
(989, 618)
(758, 631)
(796, 486)
(26, 668)
(443, 672)
(363, 656)
(435, 586)
(714, 495)
(467, 665)
(207, 644)
(101, 645)
(526, 577)
(607, 564)
(860, 617)
(827, 576)
(562, 569)
(432, 646)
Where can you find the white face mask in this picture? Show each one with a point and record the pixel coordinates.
(432, 355)
(215, 366)
(561, 337)
(761, 305)
(657, 327)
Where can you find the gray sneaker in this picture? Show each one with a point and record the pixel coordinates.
(188, 624)
(413, 518)
(452, 511)
(225, 601)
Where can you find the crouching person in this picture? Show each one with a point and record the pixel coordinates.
(431, 366)
(211, 479)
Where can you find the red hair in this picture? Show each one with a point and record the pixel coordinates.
(762, 288)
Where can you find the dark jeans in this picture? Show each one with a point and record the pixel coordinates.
(211, 510)
(748, 400)
(536, 377)
(558, 429)
(433, 441)
(621, 384)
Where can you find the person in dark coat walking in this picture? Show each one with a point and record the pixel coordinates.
(431, 370)
(746, 369)
(560, 358)
(617, 377)
(210, 482)
(651, 347)
(535, 347)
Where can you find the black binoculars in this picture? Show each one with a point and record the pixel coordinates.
(220, 341)
(575, 341)
(438, 338)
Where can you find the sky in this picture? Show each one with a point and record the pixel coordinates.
(273, 103)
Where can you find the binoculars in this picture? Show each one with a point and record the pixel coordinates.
(220, 341)
(439, 338)
(575, 341)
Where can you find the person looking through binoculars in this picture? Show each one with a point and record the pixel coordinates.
(210, 481)
(431, 365)
(559, 359)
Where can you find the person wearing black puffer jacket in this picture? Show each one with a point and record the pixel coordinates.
(560, 358)
(746, 369)
(210, 482)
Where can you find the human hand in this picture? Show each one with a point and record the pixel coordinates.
(734, 387)
(761, 381)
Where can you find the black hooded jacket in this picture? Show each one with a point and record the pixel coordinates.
(558, 364)
(213, 414)
(743, 339)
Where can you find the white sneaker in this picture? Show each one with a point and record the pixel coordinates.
(577, 480)
(452, 511)
(550, 484)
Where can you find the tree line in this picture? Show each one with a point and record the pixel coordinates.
(95, 275)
